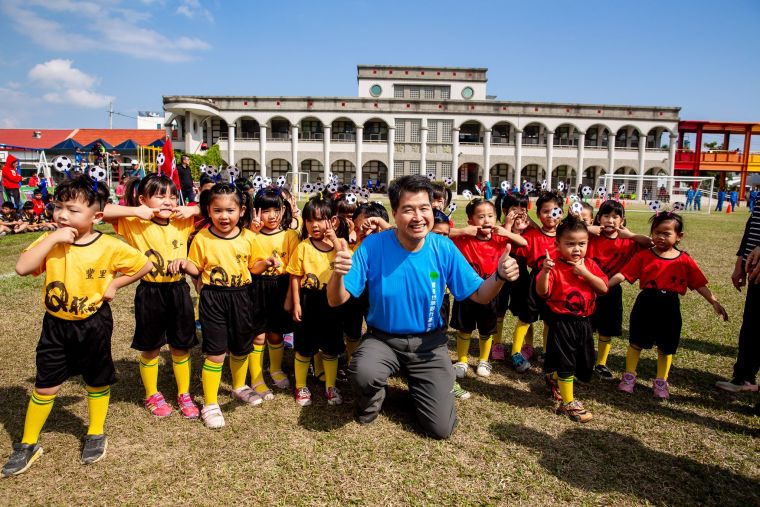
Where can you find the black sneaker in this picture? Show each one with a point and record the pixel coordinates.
(94, 449)
(604, 372)
(22, 458)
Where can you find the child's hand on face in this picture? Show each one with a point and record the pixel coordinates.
(64, 235)
(579, 268)
(548, 262)
(256, 224)
(145, 213)
(184, 211)
(330, 231)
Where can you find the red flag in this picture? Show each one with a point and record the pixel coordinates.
(169, 167)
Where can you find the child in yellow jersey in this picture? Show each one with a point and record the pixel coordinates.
(276, 242)
(152, 222)
(318, 325)
(222, 256)
(80, 265)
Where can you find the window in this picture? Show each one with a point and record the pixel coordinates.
(414, 167)
(375, 90)
(446, 128)
(428, 92)
(400, 131)
(398, 168)
(279, 168)
(248, 167)
(467, 92)
(531, 134)
(415, 130)
(398, 92)
(343, 170)
(414, 92)
(445, 92)
(445, 169)
(433, 131)
(431, 169)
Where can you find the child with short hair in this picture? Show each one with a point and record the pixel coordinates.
(664, 272)
(570, 286)
(80, 266)
(38, 204)
(32, 221)
(10, 221)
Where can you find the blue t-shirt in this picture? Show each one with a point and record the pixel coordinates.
(406, 288)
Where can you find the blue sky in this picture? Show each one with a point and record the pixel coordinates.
(62, 61)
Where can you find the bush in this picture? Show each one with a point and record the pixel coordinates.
(211, 157)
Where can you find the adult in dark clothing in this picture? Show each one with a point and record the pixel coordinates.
(186, 179)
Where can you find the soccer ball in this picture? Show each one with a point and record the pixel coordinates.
(576, 208)
(354, 188)
(211, 171)
(267, 181)
(561, 186)
(448, 181)
(621, 188)
(333, 179)
(202, 168)
(281, 181)
(319, 187)
(452, 208)
(307, 188)
(529, 186)
(678, 206)
(573, 197)
(364, 192)
(586, 191)
(544, 185)
(62, 164)
(556, 213)
(351, 199)
(601, 191)
(431, 176)
(505, 185)
(654, 205)
(232, 172)
(160, 159)
(467, 194)
(332, 188)
(97, 173)
(258, 181)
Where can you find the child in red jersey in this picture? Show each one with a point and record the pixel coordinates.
(570, 286)
(540, 239)
(663, 272)
(482, 251)
(611, 246)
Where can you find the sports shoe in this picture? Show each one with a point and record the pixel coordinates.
(158, 406)
(575, 411)
(248, 396)
(497, 352)
(303, 396)
(333, 396)
(212, 416)
(527, 351)
(94, 449)
(460, 393)
(287, 339)
(604, 372)
(627, 383)
(484, 369)
(187, 406)
(266, 393)
(519, 363)
(736, 387)
(21, 458)
(460, 369)
(280, 380)
(552, 387)
(660, 389)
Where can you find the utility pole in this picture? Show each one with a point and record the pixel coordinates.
(110, 115)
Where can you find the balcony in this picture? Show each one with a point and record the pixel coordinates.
(754, 161)
(311, 136)
(343, 137)
(715, 160)
(278, 136)
(375, 137)
(500, 140)
(246, 136)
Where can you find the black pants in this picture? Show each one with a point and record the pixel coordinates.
(748, 358)
(14, 195)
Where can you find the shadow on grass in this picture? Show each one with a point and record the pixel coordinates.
(604, 461)
(15, 400)
(708, 348)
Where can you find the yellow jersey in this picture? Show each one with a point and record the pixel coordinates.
(77, 276)
(313, 265)
(223, 262)
(161, 243)
(280, 245)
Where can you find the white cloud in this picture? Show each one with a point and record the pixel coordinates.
(65, 84)
(192, 8)
(81, 98)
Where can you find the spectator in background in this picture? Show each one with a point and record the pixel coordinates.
(488, 190)
(689, 197)
(185, 179)
(721, 198)
(752, 198)
(11, 180)
(34, 181)
(734, 199)
(698, 200)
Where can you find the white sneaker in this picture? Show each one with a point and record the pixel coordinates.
(460, 369)
(484, 369)
(212, 417)
(727, 385)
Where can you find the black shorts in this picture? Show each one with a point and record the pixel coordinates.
(268, 294)
(534, 307)
(467, 315)
(446, 311)
(76, 347)
(518, 292)
(608, 316)
(320, 327)
(570, 347)
(226, 324)
(352, 317)
(656, 320)
(164, 314)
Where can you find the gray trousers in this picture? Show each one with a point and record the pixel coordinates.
(426, 362)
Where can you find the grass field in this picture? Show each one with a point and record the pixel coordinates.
(700, 447)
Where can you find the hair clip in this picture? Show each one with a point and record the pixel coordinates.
(320, 197)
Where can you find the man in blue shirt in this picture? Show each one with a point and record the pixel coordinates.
(406, 271)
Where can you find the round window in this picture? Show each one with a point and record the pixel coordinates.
(467, 92)
(375, 90)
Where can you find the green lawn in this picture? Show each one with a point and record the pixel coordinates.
(700, 447)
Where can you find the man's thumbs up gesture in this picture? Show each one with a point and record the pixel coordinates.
(507, 267)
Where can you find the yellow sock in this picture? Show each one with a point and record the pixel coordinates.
(632, 359)
(663, 364)
(211, 377)
(37, 413)
(256, 364)
(603, 349)
(565, 389)
(351, 347)
(485, 347)
(529, 336)
(301, 367)
(239, 369)
(499, 336)
(97, 404)
(463, 346)
(149, 375)
(518, 337)
(181, 367)
(331, 370)
(545, 336)
(319, 367)
(275, 360)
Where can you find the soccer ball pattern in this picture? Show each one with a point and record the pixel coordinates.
(354, 188)
(556, 213)
(561, 186)
(307, 188)
(586, 191)
(232, 172)
(364, 192)
(654, 205)
(62, 164)
(621, 188)
(573, 197)
(602, 191)
(431, 176)
(544, 185)
(160, 159)
(452, 208)
(351, 199)
(97, 173)
(678, 206)
(319, 187)
(505, 185)
(281, 181)
(467, 194)
(529, 186)
(211, 171)
(332, 188)
(576, 208)
(448, 181)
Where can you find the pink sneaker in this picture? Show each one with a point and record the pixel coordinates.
(303, 396)
(660, 389)
(158, 406)
(497, 352)
(527, 351)
(627, 383)
(187, 406)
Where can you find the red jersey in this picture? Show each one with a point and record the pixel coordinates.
(610, 254)
(672, 275)
(571, 294)
(39, 206)
(482, 254)
(535, 251)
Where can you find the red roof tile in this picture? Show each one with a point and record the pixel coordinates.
(25, 137)
(116, 136)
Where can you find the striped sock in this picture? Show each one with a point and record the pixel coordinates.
(463, 346)
(256, 364)
(211, 377)
(565, 389)
(603, 349)
(97, 404)
(276, 352)
(37, 413)
(301, 367)
(485, 347)
(149, 375)
(181, 367)
(331, 369)
(239, 369)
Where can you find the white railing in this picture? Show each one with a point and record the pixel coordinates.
(376, 138)
(344, 137)
(278, 136)
(311, 136)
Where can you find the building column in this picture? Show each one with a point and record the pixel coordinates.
(359, 140)
(642, 160)
(518, 158)
(231, 144)
(188, 132)
(745, 162)
(455, 156)
(611, 154)
(671, 160)
(549, 158)
(294, 148)
(579, 169)
(263, 150)
(326, 153)
(391, 154)
(423, 147)
(486, 155)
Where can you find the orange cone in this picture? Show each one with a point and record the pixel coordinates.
(598, 203)
(567, 200)
(530, 204)
(728, 209)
